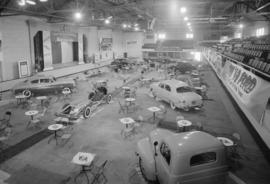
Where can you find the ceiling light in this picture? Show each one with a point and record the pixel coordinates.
(136, 24)
(136, 29)
(110, 17)
(21, 2)
(124, 26)
(183, 9)
(185, 18)
(43, 0)
(78, 15)
(129, 26)
(241, 26)
(188, 24)
(107, 21)
(30, 2)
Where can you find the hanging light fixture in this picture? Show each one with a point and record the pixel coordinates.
(31, 2)
(21, 2)
(43, 0)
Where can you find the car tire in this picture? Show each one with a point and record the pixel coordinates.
(27, 93)
(87, 112)
(108, 99)
(67, 89)
(172, 105)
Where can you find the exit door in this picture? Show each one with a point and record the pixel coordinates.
(75, 47)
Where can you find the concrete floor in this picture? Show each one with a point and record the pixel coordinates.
(51, 163)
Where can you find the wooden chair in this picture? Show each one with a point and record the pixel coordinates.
(98, 172)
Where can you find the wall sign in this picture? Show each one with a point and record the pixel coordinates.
(23, 69)
(105, 44)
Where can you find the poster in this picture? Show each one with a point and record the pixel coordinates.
(105, 44)
(23, 69)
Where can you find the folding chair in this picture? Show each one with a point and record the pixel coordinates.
(122, 108)
(98, 172)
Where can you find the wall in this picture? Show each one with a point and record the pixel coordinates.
(67, 52)
(250, 28)
(15, 45)
(133, 43)
(118, 44)
(1, 57)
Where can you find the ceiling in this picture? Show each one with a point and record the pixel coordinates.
(159, 13)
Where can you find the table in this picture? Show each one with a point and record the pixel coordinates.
(226, 141)
(130, 100)
(127, 121)
(127, 91)
(20, 98)
(154, 110)
(31, 113)
(55, 128)
(85, 160)
(183, 124)
(41, 98)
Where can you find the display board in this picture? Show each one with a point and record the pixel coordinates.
(23, 69)
(105, 44)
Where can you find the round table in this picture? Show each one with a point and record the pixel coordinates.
(183, 124)
(154, 110)
(31, 113)
(41, 98)
(226, 141)
(20, 98)
(130, 100)
(55, 128)
(127, 121)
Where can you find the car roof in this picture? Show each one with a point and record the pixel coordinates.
(175, 83)
(192, 141)
(40, 77)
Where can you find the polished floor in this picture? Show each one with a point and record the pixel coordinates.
(100, 134)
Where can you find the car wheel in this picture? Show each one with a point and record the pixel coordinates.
(67, 89)
(27, 93)
(87, 112)
(186, 108)
(172, 105)
(108, 99)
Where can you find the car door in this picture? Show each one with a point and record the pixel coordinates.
(163, 161)
(45, 85)
(167, 93)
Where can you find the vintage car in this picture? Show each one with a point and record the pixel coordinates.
(189, 157)
(42, 84)
(95, 99)
(194, 82)
(179, 94)
(120, 63)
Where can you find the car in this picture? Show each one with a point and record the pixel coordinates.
(177, 93)
(120, 63)
(194, 82)
(42, 84)
(97, 97)
(193, 157)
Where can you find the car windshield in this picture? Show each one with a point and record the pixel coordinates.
(184, 89)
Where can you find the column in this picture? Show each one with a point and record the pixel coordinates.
(80, 40)
(47, 50)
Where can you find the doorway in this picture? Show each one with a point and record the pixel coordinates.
(38, 50)
(125, 54)
(85, 48)
(75, 47)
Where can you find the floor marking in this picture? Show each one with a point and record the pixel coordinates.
(97, 112)
(236, 179)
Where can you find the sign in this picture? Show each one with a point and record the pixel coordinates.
(131, 42)
(23, 69)
(241, 81)
(105, 44)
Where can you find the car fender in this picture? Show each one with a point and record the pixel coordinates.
(147, 162)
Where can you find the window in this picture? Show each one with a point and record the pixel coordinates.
(44, 80)
(165, 152)
(161, 85)
(34, 81)
(260, 32)
(203, 158)
(189, 35)
(184, 89)
(167, 87)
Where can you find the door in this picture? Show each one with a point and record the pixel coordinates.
(75, 47)
(163, 161)
(56, 52)
(85, 48)
(167, 93)
(38, 51)
(125, 54)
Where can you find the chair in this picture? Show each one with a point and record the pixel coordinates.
(122, 108)
(5, 121)
(41, 115)
(98, 172)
